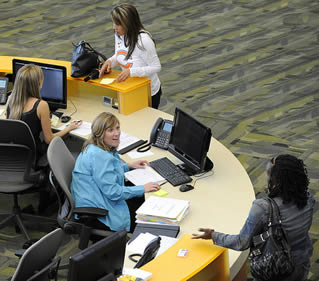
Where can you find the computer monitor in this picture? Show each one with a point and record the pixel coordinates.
(189, 141)
(101, 261)
(54, 88)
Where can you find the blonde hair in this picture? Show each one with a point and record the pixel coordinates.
(103, 121)
(27, 84)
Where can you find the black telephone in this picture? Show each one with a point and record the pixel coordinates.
(160, 135)
(3, 89)
(149, 252)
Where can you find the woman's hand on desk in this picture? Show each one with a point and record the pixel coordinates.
(138, 164)
(74, 124)
(151, 186)
(126, 73)
(106, 68)
(207, 234)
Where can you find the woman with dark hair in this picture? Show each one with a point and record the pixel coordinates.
(134, 50)
(288, 185)
(98, 176)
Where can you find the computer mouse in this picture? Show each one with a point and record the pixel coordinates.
(65, 119)
(186, 187)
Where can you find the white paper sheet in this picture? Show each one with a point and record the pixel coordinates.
(143, 176)
(83, 130)
(126, 140)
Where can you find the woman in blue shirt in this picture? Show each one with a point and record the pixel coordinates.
(98, 175)
(288, 186)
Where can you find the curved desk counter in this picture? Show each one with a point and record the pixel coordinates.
(220, 201)
(131, 95)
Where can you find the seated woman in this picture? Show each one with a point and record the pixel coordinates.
(288, 186)
(25, 104)
(98, 175)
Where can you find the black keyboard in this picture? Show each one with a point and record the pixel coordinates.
(168, 170)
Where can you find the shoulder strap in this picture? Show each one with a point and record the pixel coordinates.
(276, 218)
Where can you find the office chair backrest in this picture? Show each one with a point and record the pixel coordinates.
(17, 132)
(38, 256)
(62, 162)
(17, 155)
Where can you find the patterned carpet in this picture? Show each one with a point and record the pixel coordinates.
(248, 69)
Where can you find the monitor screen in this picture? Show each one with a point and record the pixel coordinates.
(189, 142)
(54, 88)
(101, 261)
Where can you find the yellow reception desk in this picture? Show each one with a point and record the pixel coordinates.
(131, 95)
(220, 201)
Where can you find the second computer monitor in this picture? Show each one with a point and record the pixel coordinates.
(189, 141)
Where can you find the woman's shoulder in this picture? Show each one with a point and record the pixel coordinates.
(145, 37)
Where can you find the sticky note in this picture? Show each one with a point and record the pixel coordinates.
(106, 81)
(160, 193)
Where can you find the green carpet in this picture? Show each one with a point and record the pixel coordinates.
(247, 69)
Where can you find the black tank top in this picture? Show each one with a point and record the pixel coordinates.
(32, 119)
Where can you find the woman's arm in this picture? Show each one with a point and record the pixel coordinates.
(254, 224)
(43, 113)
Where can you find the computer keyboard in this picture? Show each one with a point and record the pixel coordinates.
(167, 169)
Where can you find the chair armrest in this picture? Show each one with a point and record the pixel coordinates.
(90, 211)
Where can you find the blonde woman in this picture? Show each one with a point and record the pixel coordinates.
(25, 104)
(98, 175)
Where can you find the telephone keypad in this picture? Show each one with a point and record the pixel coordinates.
(162, 139)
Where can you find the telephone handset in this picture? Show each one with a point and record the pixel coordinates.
(160, 135)
(3, 89)
(149, 252)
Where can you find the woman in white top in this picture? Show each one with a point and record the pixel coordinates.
(134, 50)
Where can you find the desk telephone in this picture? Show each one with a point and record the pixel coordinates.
(160, 135)
(4, 81)
(149, 252)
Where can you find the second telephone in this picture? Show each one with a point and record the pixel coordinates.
(3, 89)
(161, 133)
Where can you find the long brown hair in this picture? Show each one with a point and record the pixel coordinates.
(27, 84)
(102, 122)
(127, 16)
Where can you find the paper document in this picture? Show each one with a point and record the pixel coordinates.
(143, 176)
(126, 140)
(162, 207)
(1, 111)
(83, 130)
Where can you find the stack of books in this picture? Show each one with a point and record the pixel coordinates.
(162, 210)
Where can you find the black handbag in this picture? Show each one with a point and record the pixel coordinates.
(84, 59)
(270, 256)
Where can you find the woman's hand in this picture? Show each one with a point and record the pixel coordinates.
(74, 124)
(207, 234)
(138, 164)
(126, 73)
(151, 186)
(106, 68)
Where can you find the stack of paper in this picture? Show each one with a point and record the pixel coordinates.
(162, 210)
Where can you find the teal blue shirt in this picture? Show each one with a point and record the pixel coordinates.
(98, 181)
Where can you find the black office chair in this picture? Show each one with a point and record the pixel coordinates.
(62, 163)
(17, 174)
(39, 261)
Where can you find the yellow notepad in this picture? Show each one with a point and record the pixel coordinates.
(160, 193)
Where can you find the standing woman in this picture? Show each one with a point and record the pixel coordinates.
(134, 50)
(25, 104)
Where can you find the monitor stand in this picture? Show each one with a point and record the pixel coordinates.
(208, 166)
